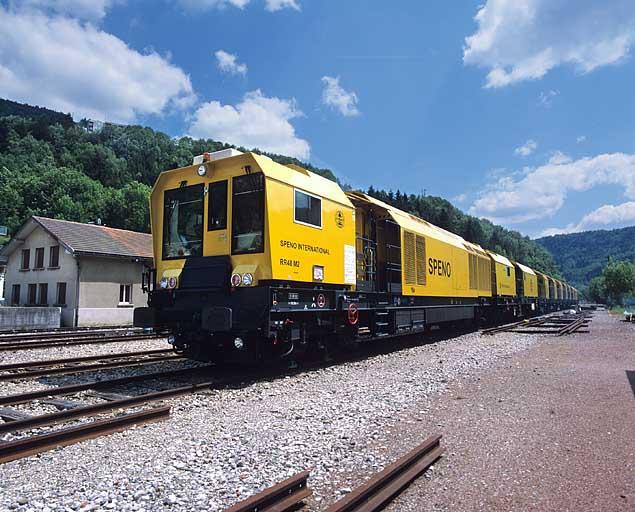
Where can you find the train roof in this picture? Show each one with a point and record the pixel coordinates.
(416, 224)
(500, 259)
(291, 174)
(525, 269)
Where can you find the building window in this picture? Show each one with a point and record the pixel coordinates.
(39, 258)
(30, 300)
(26, 258)
(61, 294)
(43, 297)
(54, 256)
(15, 295)
(125, 294)
(217, 206)
(308, 209)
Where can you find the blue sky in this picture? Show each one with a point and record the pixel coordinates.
(519, 111)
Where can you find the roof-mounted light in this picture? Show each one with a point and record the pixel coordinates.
(201, 170)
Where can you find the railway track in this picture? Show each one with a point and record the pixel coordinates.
(552, 323)
(372, 496)
(27, 344)
(32, 369)
(13, 450)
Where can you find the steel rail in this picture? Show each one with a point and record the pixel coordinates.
(55, 330)
(90, 410)
(10, 338)
(21, 448)
(105, 383)
(100, 357)
(26, 345)
(521, 323)
(377, 492)
(87, 368)
(286, 495)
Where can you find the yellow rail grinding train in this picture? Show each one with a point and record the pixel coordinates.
(256, 260)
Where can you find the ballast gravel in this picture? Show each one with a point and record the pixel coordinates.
(222, 446)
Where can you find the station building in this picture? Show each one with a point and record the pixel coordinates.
(92, 272)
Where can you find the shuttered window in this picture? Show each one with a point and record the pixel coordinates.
(410, 270)
(421, 260)
(484, 274)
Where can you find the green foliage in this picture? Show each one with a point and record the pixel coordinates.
(440, 212)
(582, 256)
(596, 292)
(619, 280)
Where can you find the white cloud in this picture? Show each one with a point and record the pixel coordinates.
(546, 98)
(605, 217)
(520, 40)
(270, 5)
(580, 139)
(256, 122)
(73, 67)
(201, 5)
(540, 192)
(527, 148)
(228, 63)
(276, 5)
(460, 198)
(337, 98)
(93, 10)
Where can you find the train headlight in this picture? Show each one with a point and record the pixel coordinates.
(236, 280)
(201, 170)
(239, 343)
(172, 282)
(248, 279)
(163, 283)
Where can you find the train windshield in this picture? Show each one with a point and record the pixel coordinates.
(183, 222)
(248, 214)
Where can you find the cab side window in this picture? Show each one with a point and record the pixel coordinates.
(308, 209)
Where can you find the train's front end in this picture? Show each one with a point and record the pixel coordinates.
(226, 242)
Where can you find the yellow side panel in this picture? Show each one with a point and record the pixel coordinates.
(530, 284)
(433, 268)
(296, 248)
(505, 279)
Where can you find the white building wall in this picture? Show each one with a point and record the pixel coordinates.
(65, 273)
(99, 293)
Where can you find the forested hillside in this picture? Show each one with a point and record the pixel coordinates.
(54, 167)
(582, 256)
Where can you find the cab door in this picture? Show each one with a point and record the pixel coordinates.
(216, 218)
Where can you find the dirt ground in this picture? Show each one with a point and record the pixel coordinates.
(551, 428)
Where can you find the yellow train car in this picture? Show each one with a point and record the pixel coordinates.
(503, 277)
(543, 286)
(526, 282)
(434, 262)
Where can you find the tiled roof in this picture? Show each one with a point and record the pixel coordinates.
(98, 240)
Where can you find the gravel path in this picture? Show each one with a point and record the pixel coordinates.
(344, 421)
(553, 428)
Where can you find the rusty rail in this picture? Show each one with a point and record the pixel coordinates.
(90, 410)
(377, 492)
(20, 448)
(76, 340)
(74, 388)
(30, 374)
(286, 495)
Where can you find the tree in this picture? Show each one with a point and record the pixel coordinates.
(619, 279)
(596, 292)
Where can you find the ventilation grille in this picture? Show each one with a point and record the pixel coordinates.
(421, 260)
(474, 274)
(409, 256)
(484, 274)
